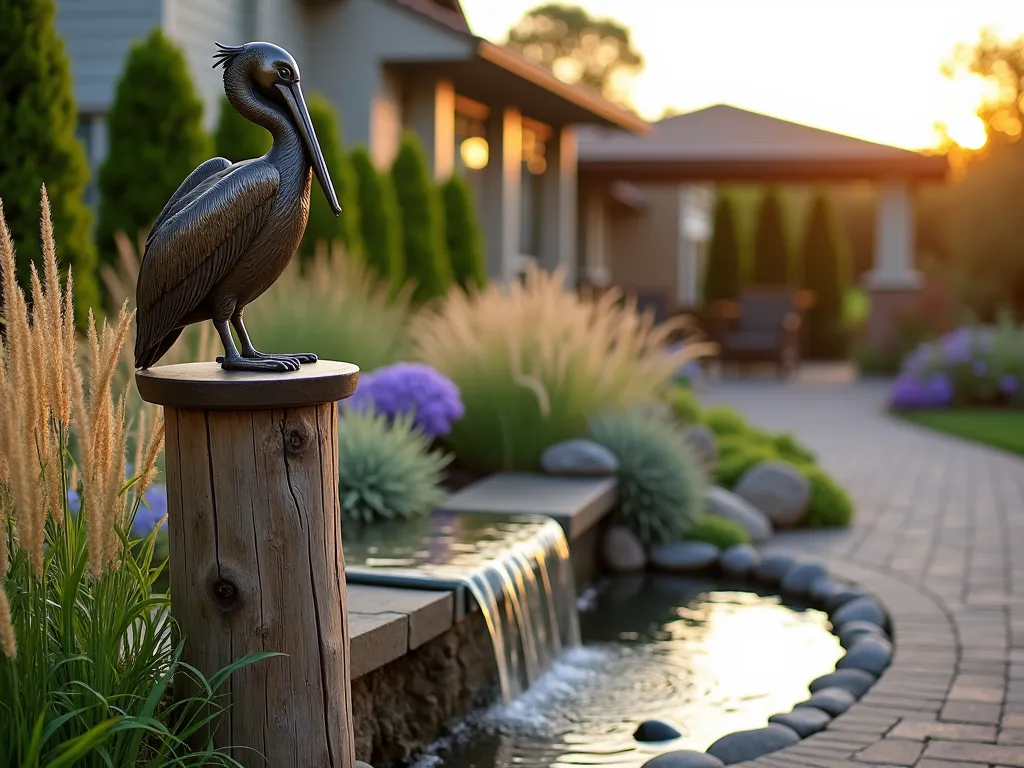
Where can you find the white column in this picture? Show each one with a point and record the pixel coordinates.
(894, 239)
(430, 113)
(558, 204)
(502, 179)
(595, 239)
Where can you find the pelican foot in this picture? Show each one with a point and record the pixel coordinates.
(240, 363)
(304, 358)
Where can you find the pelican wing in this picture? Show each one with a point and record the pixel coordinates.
(193, 180)
(197, 243)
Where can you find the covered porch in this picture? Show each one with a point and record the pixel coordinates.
(689, 153)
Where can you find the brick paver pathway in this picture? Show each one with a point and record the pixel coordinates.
(939, 537)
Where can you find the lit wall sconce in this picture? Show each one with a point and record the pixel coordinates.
(474, 152)
(537, 165)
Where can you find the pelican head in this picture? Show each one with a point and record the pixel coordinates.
(274, 75)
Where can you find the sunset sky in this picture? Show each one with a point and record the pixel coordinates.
(868, 68)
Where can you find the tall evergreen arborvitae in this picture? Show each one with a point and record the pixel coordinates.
(463, 235)
(38, 117)
(323, 225)
(156, 139)
(235, 138)
(426, 254)
(826, 273)
(722, 273)
(379, 220)
(771, 247)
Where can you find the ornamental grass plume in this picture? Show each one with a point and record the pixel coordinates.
(534, 361)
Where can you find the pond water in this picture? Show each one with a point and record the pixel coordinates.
(706, 657)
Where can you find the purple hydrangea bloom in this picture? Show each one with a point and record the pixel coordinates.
(432, 399)
(980, 367)
(911, 391)
(147, 517)
(921, 360)
(1009, 384)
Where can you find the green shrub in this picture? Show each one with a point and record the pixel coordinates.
(379, 221)
(661, 485)
(831, 505)
(237, 139)
(718, 531)
(386, 469)
(722, 276)
(791, 450)
(736, 455)
(771, 247)
(156, 139)
(532, 363)
(37, 126)
(724, 421)
(826, 273)
(462, 232)
(323, 225)
(684, 405)
(423, 240)
(336, 308)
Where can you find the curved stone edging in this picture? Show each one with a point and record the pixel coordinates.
(859, 618)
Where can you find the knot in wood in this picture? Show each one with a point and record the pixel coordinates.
(297, 437)
(224, 594)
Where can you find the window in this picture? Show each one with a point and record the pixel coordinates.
(85, 132)
(531, 191)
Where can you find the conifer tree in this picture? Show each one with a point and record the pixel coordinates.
(462, 231)
(722, 273)
(380, 224)
(771, 248)
(826, 273)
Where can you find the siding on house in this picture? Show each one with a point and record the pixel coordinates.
(196, 25)
(349, 44)
(98, 35)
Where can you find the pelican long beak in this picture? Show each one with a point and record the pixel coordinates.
(300, 114)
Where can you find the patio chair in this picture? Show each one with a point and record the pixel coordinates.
(762, 326)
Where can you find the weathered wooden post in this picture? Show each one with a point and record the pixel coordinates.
(256, 561)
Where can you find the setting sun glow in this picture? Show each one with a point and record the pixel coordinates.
(870, 69)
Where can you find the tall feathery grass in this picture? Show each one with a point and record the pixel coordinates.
(86, 655)
(534, 361)
(336, 307)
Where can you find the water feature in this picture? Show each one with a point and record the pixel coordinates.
(708, 658)
(515, 570)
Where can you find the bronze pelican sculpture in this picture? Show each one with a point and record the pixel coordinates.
(229, 231)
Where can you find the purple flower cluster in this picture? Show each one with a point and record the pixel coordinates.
(980, 365)
(432, 399)
(146, 518)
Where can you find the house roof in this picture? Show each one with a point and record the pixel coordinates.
(727, 143)
(495, 72)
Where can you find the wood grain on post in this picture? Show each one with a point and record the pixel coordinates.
(256, 559)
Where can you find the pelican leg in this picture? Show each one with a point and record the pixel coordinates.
(250, 352)
(232, 361)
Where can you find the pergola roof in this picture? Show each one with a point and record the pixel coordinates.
(727, 143)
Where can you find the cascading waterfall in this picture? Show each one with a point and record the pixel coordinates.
(517, 570)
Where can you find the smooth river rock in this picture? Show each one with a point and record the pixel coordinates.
(872, 654)
(749, 745)
(806, 721)
(579, 458)
(854, 630)
(684, 758)
(684, 556)
(655, 730)
(702, 442)
(779, 490)
(800, 577)
(773, 568)
(861, 609)
(723, 503)
(846, 593)
(739, 560)
(835, 701)
(822, 589)
(855, 681)
(622, 550)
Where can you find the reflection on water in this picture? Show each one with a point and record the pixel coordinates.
(705, 658)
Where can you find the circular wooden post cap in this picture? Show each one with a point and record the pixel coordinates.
(208, 387)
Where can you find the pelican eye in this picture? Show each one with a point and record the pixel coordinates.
(285, 73)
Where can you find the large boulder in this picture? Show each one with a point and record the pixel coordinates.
(749, 745)
(779, 490)
(579, 458)
(684, 556)
(701, 440)
(684, 758)
(727, 504)
(622, 550)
